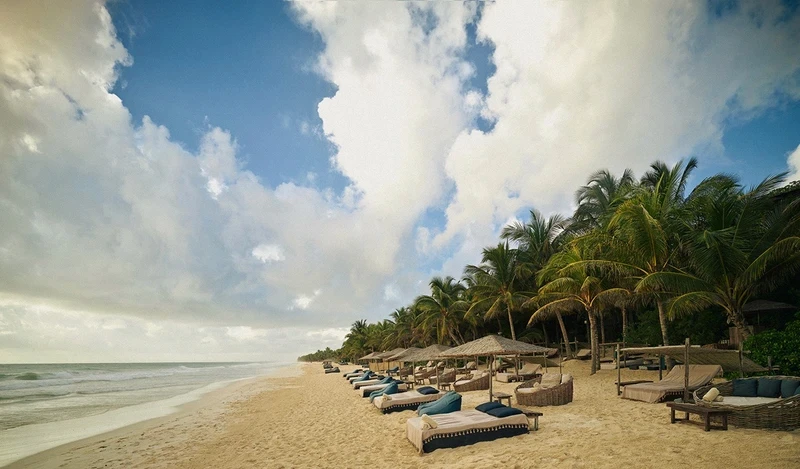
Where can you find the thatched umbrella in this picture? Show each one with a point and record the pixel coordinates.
(492, 346)
(401, 356)
(432, 352)
(381, 357)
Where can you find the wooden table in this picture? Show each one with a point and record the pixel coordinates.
(500, 396)
(704, 412)
(445, 386)
(531, 414)
(410, 383)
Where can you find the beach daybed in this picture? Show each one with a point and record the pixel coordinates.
(367, 390)
(476, 383)
(672, 384)
(529, 371)
(547, 389)
(332, 370)
(464, 427)
(468, 367)
(369, 382)
(583, 354)
(409, 400)
(764, 402)
(353, 373)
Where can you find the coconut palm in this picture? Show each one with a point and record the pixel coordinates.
(537, 241)
(599, 198)
(569, 290)
(739, 245)
(496, 290)
(444, 310)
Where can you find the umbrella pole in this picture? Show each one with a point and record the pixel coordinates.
(491, 378)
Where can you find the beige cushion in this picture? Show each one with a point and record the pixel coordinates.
(566, 378)
(711, 395)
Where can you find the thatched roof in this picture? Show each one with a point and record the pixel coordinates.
(371, 356)
(401, 356)
(494, 345)
(388, 354)
(766, 306)
(428, 353)
(727, 359)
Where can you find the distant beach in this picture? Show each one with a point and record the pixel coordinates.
(318, 420)
(46, 405)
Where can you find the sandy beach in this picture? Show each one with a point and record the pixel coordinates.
(317, 420)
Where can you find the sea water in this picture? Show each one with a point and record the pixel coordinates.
(45, 405)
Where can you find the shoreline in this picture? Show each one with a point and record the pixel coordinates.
(318, 420)
(214, 395)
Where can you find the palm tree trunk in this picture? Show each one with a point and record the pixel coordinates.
(662, 320)
(594, 345)
(564, 334)
(511, 323)
(737, 318)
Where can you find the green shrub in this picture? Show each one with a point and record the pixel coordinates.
(783, 346)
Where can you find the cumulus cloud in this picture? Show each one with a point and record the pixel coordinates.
(583, 86)
(793, 161)
(115, 227)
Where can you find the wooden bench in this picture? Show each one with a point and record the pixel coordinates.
(704, 412)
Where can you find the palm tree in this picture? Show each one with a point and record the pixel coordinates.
(569, 290)
(496, 290)
(646, 228)
(444, 309)
(599, 198)
(537, 241)
(739, 246)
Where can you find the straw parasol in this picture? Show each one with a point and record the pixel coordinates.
(432, 352)
(492, 346)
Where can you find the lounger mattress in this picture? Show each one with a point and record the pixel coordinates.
(463, 428)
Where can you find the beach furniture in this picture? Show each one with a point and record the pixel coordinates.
(332, 370)
(547, 389)
(705, 413)
(367, 390)
(478, 381)
(409, 400)
(391, 388)
(449, 402)
(370, 382)
(468, 367)
(672, 384)
(771, 402)
(583, 354)
(464, 427)
(354, 373)
(528, 371)
(448, 375)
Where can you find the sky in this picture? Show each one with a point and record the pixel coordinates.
(195, 180)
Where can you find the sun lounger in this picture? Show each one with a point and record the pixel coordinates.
(672, 384)
(525, 373)
(408, 400)
(367, 390)
(332, 370)
(474, 384)
(468, 367)
(462, 428)
(353, 373)
(584, 354)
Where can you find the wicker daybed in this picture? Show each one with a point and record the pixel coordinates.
(552, 389)
(782, 414)
(478, 383)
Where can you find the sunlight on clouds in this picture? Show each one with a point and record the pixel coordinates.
(267, 253)
(793, 161)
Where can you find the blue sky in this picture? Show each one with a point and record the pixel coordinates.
(195, 180)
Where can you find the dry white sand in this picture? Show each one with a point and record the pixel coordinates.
(317, 420)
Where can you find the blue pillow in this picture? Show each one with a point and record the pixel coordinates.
(504, 411)
(386, 380)
(450, 402)
(390, 389)
(769, 387)
(487, 406)
(427, 390)
(745, 388)
(788, 387)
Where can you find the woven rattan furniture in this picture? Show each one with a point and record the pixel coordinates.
(475, 384)
(448, 375)
(783, 414)
(559, 394)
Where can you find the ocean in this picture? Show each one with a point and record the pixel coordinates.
(41, 405)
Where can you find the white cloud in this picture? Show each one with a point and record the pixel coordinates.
(267, 253)
(793, 161)
(583, 86)
(105, 217)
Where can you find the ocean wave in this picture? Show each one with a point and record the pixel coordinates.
(28, 377)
